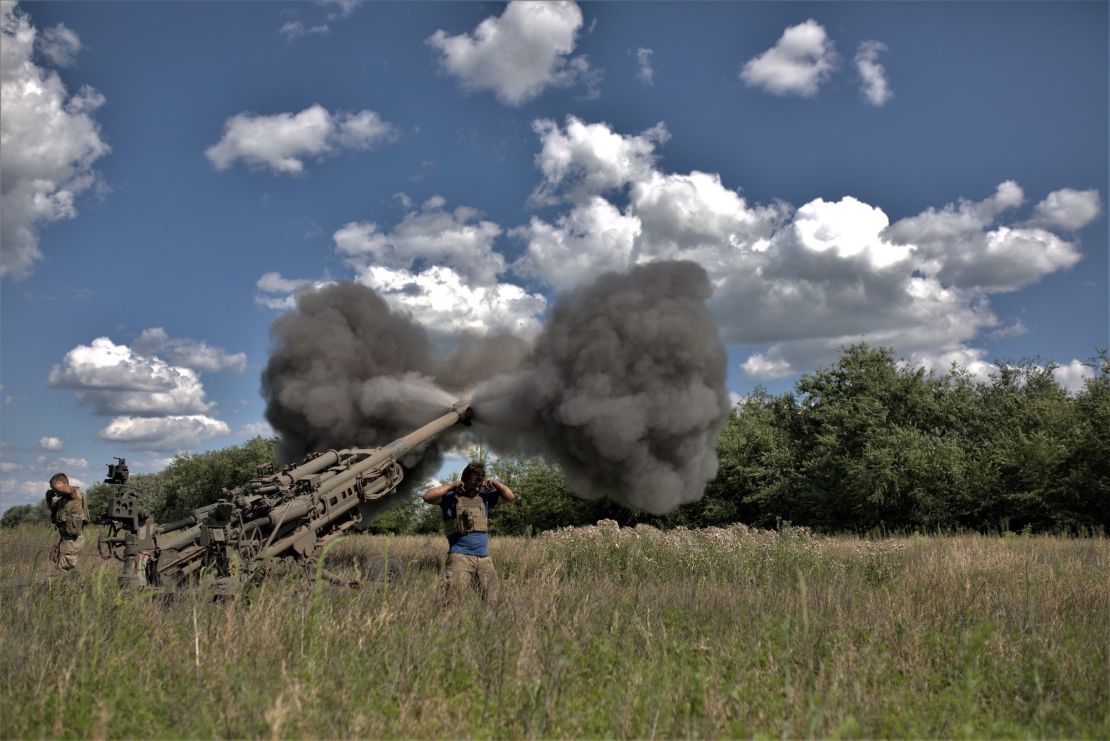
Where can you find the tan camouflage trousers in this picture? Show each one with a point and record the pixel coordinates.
(66, 551)
(464, 572)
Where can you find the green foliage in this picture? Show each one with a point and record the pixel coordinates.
(194, 480)
(874, 444)
(1083, 491)
(25, 513)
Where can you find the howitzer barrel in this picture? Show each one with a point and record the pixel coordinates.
(179, 539)
(398, 449)
(186, 521)
(317, 464)
(193, 518)
(460, 412)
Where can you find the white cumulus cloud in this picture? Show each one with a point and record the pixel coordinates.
(767, 365)
(793, 284)
(60, 45)
(873, 83)
(256, 429)
(591, 238)
(963, 244)
(173, 432)
(53, 444)
(283, 141)
(49, 140)
(1070, 376)
(694, 216)
(280, 294)
(194, 354)
(458, 239)
(276, 283)
(117, 380)
(441, 267)
(1073, 375)
(14, 492)
(971, 359)
(1068, 209)
(441, 299)
(797, 64)
(847, 228)
(580, 160)
(933, 229)
(518, 54)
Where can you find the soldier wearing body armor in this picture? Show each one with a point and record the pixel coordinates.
(69, 514)
(466, 506)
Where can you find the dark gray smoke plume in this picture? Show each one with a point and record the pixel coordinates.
(345, 371)
(476, 359)
(624, 389)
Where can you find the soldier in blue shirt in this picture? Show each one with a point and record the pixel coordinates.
(466, 508)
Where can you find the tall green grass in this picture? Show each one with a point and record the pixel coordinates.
(597, 632)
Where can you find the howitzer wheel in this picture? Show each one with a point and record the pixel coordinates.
(250, 544)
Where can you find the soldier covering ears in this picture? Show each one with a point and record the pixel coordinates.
(466, 507)
(69, 514)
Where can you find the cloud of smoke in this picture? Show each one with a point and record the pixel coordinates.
(476, 359)
(345, 371)
(623, 389)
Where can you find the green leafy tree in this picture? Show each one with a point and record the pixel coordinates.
(1083, 497)
(25, 513)
(192, 481)
(863, 436)
(1028, 428)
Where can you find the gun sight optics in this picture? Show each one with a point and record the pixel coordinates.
(117, 472)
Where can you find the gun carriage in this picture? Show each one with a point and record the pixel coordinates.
(293, 513)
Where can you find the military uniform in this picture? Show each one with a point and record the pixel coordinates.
(466, 525)
(70, 514)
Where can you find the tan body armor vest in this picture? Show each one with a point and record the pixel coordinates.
(470, 514)
(72, 515)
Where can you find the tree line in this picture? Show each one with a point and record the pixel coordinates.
(867, 444)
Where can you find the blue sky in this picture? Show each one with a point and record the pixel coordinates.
(927, 176)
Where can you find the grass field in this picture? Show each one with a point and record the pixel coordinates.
(597, 632)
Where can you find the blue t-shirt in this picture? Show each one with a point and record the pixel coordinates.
(468, 544)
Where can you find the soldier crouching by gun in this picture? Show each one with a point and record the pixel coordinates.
(466, 507)
(70, 515)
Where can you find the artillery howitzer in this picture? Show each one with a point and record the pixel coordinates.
(293, 513)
